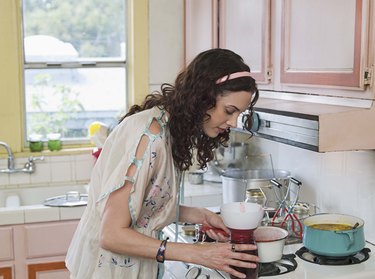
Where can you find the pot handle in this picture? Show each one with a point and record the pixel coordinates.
(350, 236)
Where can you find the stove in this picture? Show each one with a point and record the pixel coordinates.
(291, 266)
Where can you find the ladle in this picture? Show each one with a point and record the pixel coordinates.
(355, 226)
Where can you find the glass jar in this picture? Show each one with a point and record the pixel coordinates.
(244, 237)
(54, 141)
(35, 143)
(255, 195)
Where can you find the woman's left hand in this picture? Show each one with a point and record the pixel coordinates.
(214, 227)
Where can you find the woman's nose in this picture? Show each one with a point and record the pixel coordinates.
(232, 122)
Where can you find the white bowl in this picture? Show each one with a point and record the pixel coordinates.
(241, 215)
(270, 242)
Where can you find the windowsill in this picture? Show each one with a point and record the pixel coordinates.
(62, 152)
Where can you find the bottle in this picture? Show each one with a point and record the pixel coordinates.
(244, 237)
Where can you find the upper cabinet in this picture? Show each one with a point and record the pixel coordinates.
(325, 43)
(244, 27)
(290, 45)
(201, 27)
(240, 25)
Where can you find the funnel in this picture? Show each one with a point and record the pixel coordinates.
(241, 215)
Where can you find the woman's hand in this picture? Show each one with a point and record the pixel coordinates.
(226, 256)
(214, 226)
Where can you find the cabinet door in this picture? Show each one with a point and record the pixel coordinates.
(5, 273)
(245, 29)
(48, 239)
(200, 27)
(324, 42)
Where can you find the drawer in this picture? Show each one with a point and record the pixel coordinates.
(48, 239)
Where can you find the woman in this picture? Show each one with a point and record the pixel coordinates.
(135, 182)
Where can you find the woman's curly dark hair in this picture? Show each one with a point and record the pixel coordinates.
(195, 92)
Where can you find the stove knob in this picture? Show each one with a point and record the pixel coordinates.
(193, 272)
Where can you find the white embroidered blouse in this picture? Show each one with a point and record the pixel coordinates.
(153, 201)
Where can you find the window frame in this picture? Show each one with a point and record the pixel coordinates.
(12, 125)
(86, 63)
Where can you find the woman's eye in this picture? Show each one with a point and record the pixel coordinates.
(230, 112)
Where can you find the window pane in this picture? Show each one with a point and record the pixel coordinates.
(67, 101)
(72, 30)
(67, 85)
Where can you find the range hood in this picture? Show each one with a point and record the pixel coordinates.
(313, 126)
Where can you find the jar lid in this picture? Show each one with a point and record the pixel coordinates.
(35, 137)
(54, 136)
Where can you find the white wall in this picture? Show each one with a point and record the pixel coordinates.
(337, 182)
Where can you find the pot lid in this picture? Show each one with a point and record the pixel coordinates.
(70, 199)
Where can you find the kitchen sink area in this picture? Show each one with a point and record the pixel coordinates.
(26, 205)
(29, 196)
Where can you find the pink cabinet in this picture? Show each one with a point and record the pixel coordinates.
(6, 252)
(290, 45)
(35, 250)
(324, 45)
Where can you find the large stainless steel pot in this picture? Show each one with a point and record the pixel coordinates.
(333, 242)
(235, 182)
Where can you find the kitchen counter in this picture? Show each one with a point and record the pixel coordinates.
(206, 195)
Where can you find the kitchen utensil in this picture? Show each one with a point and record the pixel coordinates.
(289, 219)
(241, 215)
(270, 242)
(70, 199)
(334, 243)
(242, 218)
(201, 236)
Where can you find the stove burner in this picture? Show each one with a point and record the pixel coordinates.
(357, 258)
(285, 265)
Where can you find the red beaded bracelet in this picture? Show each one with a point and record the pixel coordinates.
(160, 256)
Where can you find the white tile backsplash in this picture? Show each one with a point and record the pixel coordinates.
(337, 182)
(69, 169)
(341, 182)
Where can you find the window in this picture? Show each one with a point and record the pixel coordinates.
(74, 65)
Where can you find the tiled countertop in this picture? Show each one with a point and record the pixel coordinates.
(206, 194)
(38, 213)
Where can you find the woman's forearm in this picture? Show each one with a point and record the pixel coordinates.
(194, 215)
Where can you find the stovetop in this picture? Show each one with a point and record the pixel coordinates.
(304, 270)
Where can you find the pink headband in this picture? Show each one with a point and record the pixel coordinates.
(233, 76)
